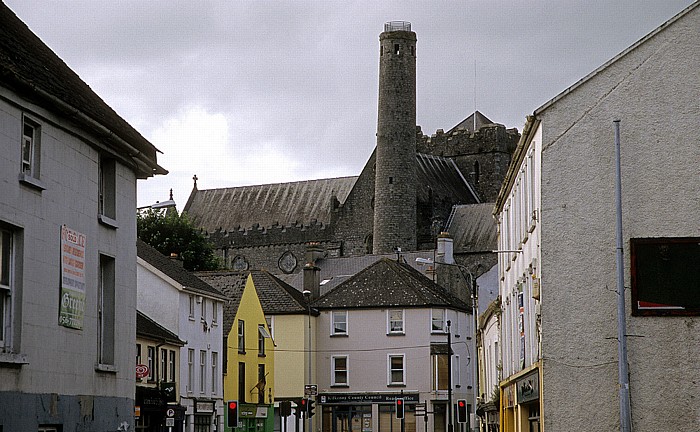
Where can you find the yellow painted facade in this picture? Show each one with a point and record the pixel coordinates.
(291, 334)
(251, 314)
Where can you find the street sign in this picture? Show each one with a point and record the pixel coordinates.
(141, 371)
(169, 422)
(310, 390)
(170, 412)
(420, 409)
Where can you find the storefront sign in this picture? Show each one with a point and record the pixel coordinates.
(528, 387)
(72, 304)
(367, 398)
(204, 407)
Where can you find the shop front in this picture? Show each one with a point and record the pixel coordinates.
(255, 418)
(520, 403)
(154, 411)
(366, 412)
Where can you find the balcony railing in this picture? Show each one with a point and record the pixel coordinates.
(397, 26)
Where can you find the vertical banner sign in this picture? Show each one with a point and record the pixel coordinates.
(521, 326)
(72, 302)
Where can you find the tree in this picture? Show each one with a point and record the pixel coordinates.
(170, 232)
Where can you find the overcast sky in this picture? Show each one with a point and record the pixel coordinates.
(253, 92)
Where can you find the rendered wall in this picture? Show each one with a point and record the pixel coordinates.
(654, 91)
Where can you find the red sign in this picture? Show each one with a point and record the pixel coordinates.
(141, 371)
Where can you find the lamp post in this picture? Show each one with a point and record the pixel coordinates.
(307, 295)
(475, 299)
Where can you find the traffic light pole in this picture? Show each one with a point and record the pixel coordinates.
(450, 425)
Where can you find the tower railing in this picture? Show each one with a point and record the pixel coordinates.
(397, 26)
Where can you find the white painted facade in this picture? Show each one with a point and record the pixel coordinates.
(197, 318)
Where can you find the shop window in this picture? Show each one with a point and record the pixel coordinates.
(665, 276)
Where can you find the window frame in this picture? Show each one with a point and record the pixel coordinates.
(261, 340)
(151, 353)
(107, 191)
(192, 307)
(389, 328)
(390, 370)
(31, 173)
(444, 320)
(190, 370)
(335, 370)
(172, 360)
(214, 372)
(202, 371)
(106, 311)
(7, 287)
(203, 312)
(334, 321)
(241, 336)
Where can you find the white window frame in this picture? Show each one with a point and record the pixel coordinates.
(270, 320)
(214, 372)
(163, 364)
(433, 318)
(456, 374)
(334, 370)
(214, 312)
(204, 310)
(171, 365)
(389, 329)
(202, 371)
(334, 320)
(151, 353)
(390, 370)
(241, 336)
(7, 287)
(30, 149)
(107, 184)
(190, 370)
(106, 310)
(192, 307)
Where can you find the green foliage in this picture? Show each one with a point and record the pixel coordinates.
(170, 232)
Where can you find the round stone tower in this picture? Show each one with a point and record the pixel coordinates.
(395, 179)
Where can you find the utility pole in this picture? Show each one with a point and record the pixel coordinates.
(450, 426)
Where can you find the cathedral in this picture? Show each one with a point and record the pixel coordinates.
(412, 188)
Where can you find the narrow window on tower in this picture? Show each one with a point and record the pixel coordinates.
(391, 180)
(413, 51)
(397, 49)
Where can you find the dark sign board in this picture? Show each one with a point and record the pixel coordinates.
(366, 398)
(665, 276)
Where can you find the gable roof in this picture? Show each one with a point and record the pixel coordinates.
(175, 271)
(389, 283)
(31, 69)
(147, 328)
(278, 204)
(473, 228)
(442, 176)
(276, 297)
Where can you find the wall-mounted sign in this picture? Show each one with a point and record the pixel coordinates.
(528, 387)
(72, 301)
(352, 398)
(141, 371)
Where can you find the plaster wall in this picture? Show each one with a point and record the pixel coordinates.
(653, 90)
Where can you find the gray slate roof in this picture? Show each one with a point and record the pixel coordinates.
(33, 70)
(473, 228)
(149, 329)
(276, 297)
(278, 204)
(174, 270)
(389, 283)
(442, 175)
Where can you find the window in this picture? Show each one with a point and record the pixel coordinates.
(204, 310)
(151, 363)
(270, 321)
(665, 276)
(437, 321)
(339, 373)
(241, 336)
(7, 288)
(138, 354)
(31, 148)
(163, 364)
(107, 203)
(395, 319)
(202, 371)
(396, 370)
(105, 311)
(192, 303)
(241, 382)
(171, 366)
(261, 384)
(214, 312)
(262, 335)
(190, 370)
(456, 376)
(339, 323)
(439, 360)
(214, 372)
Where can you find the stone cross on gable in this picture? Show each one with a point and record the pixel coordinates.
(195, 180)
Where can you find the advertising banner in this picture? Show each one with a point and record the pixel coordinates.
(72, 302)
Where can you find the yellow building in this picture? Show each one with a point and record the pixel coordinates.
(249, 376)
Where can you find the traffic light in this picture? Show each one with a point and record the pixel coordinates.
(311, 407)
(302, 407)
(285, 408)
(232, 414)
(399, 408)
(461, 411)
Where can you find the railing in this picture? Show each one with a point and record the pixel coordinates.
(397, 26)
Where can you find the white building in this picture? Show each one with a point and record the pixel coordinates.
(68, 170)
(192, 309)
(652, 89)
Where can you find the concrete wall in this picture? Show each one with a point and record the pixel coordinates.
(653, 90)
(62, 361)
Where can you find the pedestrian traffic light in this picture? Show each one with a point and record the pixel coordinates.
(285, 408)
(303, 407)
(232, 414)
(311, 407)
(461, 411)
(399, 408)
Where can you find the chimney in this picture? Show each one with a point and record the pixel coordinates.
(312, 280)
(445, 248)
